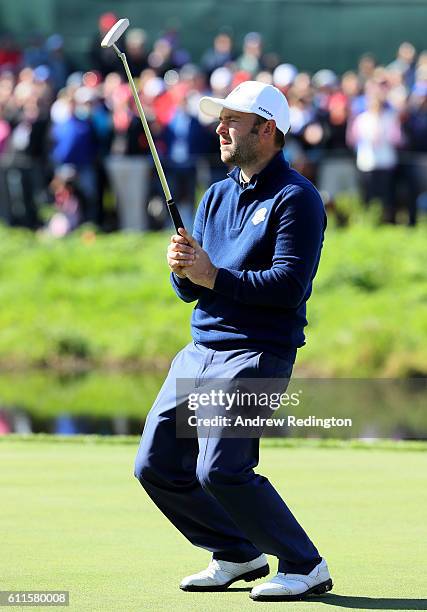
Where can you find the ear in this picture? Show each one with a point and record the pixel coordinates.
(269, 127)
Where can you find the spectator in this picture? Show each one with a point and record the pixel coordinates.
(421, 68)
(180, 56)
(251, 59)
(337, 174)
(305, 133)
(158, 101)
(193, 86)
(94, 116)
(405, 63)
(103, 60)
(302, 85)
(325, 83)
(219, 55)
(302, 112)
(68, 202)
(185, 142)
(284, 76)
(220, 84)
(337, 123)
(5, 132)
(34, 53)
(352, 88)
(130, 167)
(137, 143)
(5, 425)
(165, 57)
(375, 135)
(7, 85)
(60, 67)
(135, 51)
(414, 124)
(10, 55)
(35, 123)
(27, 146)
(264, 77)
(366, 66)
(74, 142)
(160, 58)
(350, 85)
(103, 127)
(397, 94)
(270, 61)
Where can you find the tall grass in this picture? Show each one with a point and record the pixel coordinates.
(105, 300)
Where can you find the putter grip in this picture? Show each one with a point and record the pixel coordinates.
(174, 213)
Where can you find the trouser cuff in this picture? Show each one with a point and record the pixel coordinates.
(235, 556)
(298, 568)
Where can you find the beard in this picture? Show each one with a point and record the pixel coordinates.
(242, 153)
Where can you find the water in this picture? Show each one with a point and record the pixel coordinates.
(117, 403)
(91, 402)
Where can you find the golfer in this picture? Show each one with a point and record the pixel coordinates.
(249, 265)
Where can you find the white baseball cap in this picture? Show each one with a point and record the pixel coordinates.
(252, 97)
(284, 75)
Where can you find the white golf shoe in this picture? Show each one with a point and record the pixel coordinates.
(220, 574)
(288, 587)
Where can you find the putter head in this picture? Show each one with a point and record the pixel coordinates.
(115, 32)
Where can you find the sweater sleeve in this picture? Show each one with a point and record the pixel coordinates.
(183, 287)
(301, 222)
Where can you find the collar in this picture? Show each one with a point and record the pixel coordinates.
(277, 164)
(243, 184)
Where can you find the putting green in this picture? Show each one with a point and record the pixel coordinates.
(72, 517)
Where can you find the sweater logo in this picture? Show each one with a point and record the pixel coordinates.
(259, 216)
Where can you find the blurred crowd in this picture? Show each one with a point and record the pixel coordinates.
(73, 139)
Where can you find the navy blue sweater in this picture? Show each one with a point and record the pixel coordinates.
(266, 241)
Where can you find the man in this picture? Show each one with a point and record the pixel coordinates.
(250, 265)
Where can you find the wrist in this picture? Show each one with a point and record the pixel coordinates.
(212, 274)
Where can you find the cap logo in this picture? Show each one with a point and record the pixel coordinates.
(264, 110)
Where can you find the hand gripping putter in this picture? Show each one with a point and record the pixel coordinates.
(109, 40)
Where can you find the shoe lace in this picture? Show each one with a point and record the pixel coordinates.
(212, 568)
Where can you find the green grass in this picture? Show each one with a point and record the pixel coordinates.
(368, 312)
(73, 517)
(105, 301)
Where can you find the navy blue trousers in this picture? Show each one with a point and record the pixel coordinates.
(207, 487)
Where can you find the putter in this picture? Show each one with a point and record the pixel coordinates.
(110, 40)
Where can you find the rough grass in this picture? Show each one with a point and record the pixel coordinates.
(105, 301)
(74, 518)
